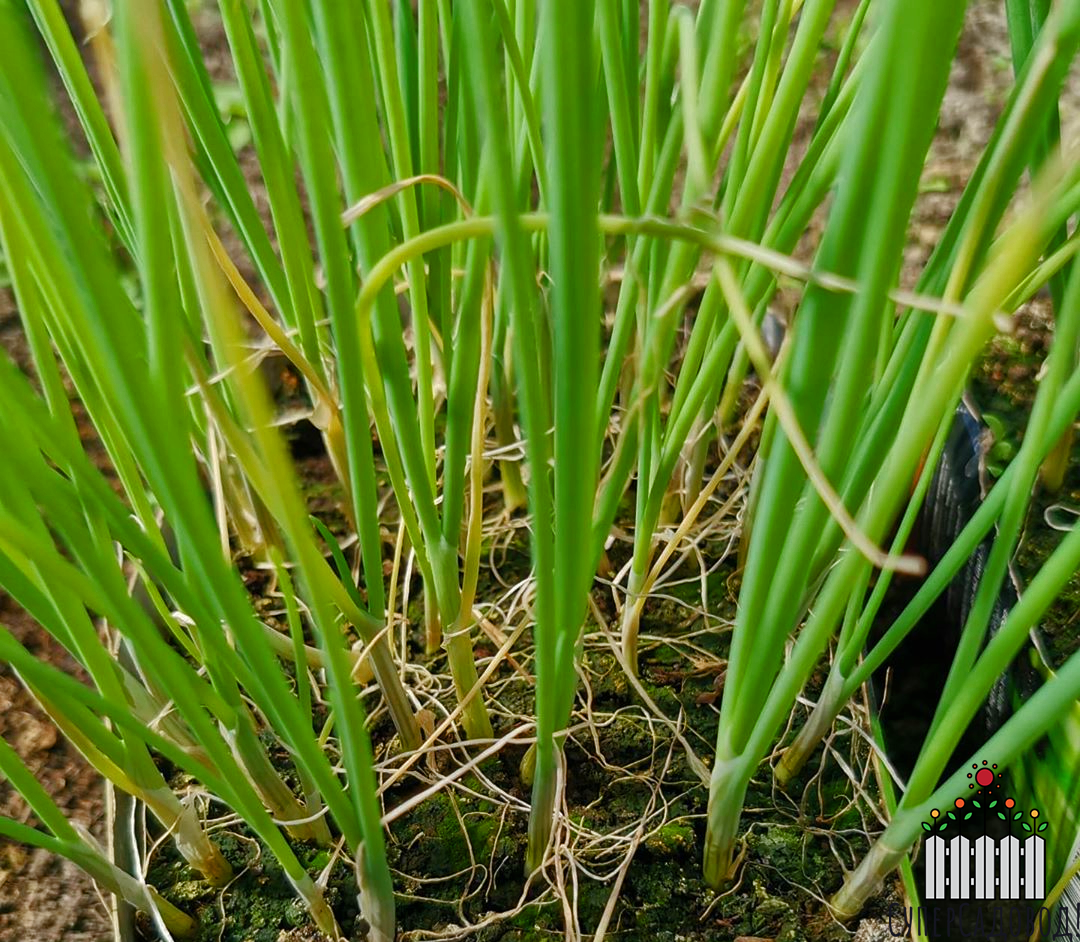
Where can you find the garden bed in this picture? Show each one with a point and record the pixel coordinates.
(627, 858)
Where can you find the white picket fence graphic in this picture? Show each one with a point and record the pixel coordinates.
(985, 868)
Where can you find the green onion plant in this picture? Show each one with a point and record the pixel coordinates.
(518, 253)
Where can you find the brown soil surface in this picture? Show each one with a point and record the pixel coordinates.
(44, 898)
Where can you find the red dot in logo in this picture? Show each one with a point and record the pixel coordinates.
(984, 777)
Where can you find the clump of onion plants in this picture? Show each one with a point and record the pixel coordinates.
(512, 248)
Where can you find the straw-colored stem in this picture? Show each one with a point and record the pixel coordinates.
(376, 898)
(397, 701)
(865, 880)
(833, 697)
(277, 796)
(694, 464)
(179, 923)
(727, 793)
(458, 644)
(190, 836)
(143, 781)
(321, 913)
(459, 652)
(432, 624)
(126, 887)
(631, 616)
(1056, 464)
(542, 811)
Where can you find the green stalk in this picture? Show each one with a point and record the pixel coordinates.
(305, 303)
(519, 284)
(395, 116)
(574, 190)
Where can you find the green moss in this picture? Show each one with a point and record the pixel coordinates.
(775, 917)
(260, 905)
(433, 849)
(672, 840)
(185, 892)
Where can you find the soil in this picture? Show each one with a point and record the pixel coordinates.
(458, 857)
(43, 897)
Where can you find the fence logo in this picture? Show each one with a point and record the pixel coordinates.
(1011, 867)
(988, 885)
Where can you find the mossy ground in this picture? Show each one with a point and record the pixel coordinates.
(259, 905)
(458, 857)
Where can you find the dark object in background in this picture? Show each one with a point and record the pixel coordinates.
(958, 487)
(305, 440)
(917, 670)
(912, 679)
